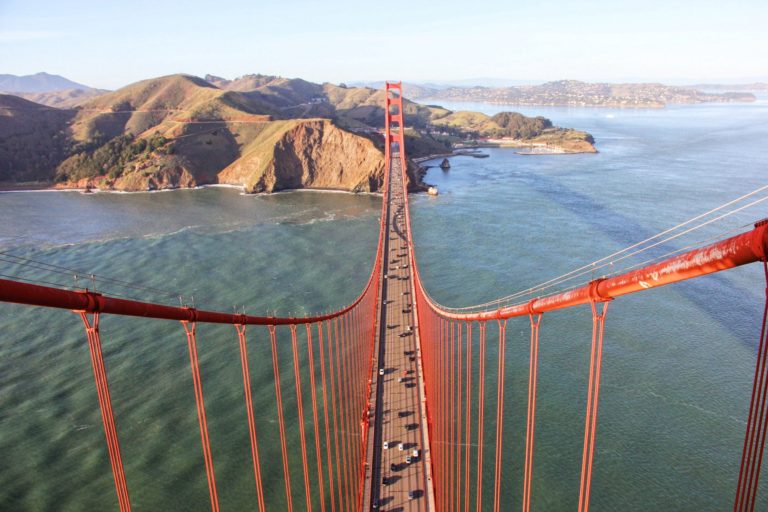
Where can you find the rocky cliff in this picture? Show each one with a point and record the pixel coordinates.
(308, 154)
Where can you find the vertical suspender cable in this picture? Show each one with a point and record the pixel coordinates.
(315, 422)
(593, 394)
(499, 416)
(280, 418)
(249, 413)
(300, 408)
(190, 329)
(441, 417)
(344, 400)
(357, 407)
(334, 410)
(105, 406)
(754, 439)
(459, 417)
(480, 419)
(439, 374)
(324, 383)
(445, 419)
(451, 417)
(353, 425)
(535, 321)
(468, 429)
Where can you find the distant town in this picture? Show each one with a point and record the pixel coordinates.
(583, 94)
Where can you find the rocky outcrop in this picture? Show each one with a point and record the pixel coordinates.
(164, 178)
(308, 154)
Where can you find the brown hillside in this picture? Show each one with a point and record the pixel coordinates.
(68, 98)
(307, 154)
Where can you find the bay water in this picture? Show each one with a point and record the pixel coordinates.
(678, 361)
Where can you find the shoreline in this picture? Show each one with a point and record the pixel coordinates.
(457, 152)
(30, 187)
(576, 104)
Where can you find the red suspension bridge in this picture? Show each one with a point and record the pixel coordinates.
(398, 383)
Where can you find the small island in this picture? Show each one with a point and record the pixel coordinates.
(455, 133)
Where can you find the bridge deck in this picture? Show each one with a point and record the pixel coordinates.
(393, 483)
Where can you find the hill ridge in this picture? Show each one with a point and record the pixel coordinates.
(37, 83)
(261, 132)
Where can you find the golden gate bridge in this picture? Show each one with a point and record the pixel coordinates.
(408, 444)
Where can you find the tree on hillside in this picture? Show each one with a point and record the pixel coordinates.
(518, 126)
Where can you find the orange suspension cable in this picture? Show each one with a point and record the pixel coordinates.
(754, 439)
(593, 393)
(480, 425)
(300, 408)
(105, 406)
(249, 413)
(190, 329)
(535, 321)
(280, 418)
(499, 416)
(321, 349)
(315, 422)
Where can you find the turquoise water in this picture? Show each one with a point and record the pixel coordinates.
(677, 363)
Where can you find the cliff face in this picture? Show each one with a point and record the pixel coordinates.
(170, 177)
(309, 154)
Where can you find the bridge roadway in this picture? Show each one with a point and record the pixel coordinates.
(399, 416)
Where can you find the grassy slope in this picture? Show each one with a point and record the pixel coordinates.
(32, 139)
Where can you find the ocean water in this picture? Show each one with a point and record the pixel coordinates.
(678, 361)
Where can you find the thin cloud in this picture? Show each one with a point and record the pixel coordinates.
(27, 35)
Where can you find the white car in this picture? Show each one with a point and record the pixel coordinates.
(400, 447)
(386, 445)
(381, 371)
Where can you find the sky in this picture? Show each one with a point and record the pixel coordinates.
(109, 44)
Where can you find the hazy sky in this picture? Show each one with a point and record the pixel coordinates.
(111, 43)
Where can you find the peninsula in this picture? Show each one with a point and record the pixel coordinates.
(262, 133)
